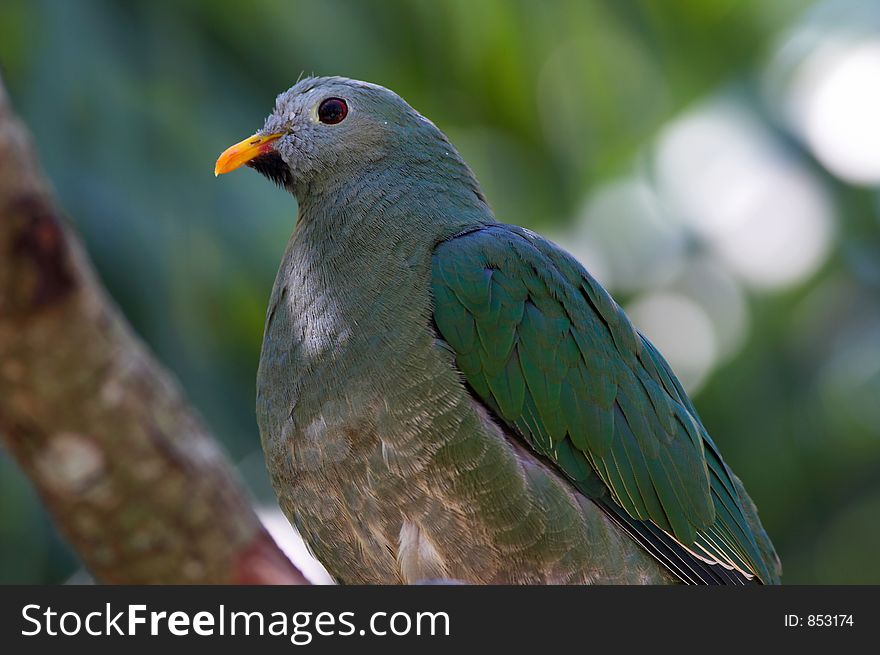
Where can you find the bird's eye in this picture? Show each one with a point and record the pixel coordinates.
(332, 111)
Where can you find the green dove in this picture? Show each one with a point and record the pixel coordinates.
(441, 395)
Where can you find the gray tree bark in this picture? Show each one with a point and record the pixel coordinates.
(133, 479)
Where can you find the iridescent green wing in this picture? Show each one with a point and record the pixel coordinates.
(544, 346)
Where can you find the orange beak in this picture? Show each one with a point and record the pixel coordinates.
(243, 152)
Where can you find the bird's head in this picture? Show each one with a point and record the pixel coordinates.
(325, 130)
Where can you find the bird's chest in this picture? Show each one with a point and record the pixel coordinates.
(350, 472)
(336, 390)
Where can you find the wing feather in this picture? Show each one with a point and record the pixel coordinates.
(543, 346)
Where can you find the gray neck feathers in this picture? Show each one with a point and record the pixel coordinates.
(357, 269)
(386, 214)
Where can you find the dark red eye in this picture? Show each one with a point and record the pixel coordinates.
(332, 111)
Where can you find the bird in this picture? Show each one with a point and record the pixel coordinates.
(443, 396)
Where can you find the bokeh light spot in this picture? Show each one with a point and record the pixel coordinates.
(764, 214)
(834, 100)
(681, 330)
(622, 238)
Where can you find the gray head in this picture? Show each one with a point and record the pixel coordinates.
(327, 131)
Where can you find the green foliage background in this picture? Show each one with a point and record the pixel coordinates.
(130, 103)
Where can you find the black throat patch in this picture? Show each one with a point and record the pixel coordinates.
(272, 166)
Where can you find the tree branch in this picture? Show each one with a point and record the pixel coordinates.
(132, 477)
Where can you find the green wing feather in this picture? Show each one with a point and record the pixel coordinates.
(544, 346)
